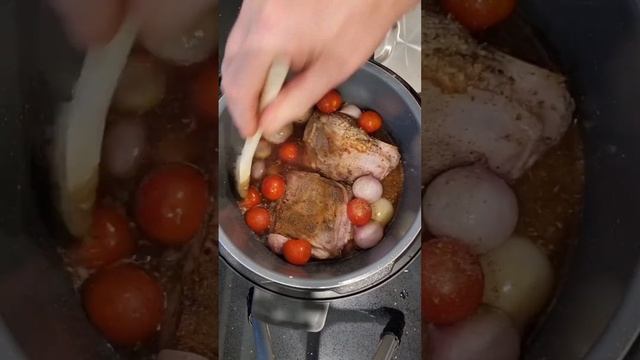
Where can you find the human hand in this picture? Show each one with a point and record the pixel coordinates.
(95, 22)
(324, 41)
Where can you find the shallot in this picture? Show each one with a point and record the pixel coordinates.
(518, 279)
(141, 85)
(488, 335)
(191, 46)
(369, 235)
(263, 150)
(124, 144)
(276, 242)
(351, 110)
(473, 205)
(257, 170)
(382, 211)
(367, 188)
(279, 136)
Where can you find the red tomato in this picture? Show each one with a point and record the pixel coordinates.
(330, 102)
(124, 303)
(204, 93)
(273, 187)
(253, 198)
(478, 15)
(109, 240)
(258, 219)
(359, 212)
(288, 152)
(370, 121)
(452, 281)
(171, 203)
(297, 252)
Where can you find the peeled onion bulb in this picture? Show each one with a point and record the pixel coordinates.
(488, 335)
(303, 119)
(124, 144)
(351, 110)
(518, 279)
(263, 150)
(141, 85)
(367, 188)
(276, 242)
(192, 46)
(279, 136)
(369, 235)
(473, 205)
(382, 211)
(257, 169)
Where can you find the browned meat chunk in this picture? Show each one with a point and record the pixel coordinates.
(314, 208)
(339, 149)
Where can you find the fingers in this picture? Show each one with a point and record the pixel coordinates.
(301, 93)
(90, 22)
(242, 80)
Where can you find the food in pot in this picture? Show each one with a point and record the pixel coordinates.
(325, 182)
(469, 121)
(147, 268)
(340, 150)
(503, 177)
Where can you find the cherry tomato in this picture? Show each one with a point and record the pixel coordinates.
(171, 203)
(109, 240)
(258, 219)
(370, 121)
(273, 187)
(288, 152)
(253, 198)
(359, 211)
(124, 303)
(330, 102)
(452, 281)
(478, 15)
(297, 252)
(204, 93)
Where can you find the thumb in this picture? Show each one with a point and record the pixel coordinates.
(296, 97)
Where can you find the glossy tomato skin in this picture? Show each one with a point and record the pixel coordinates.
(171, 203)
(273, 187)
(452, 281)
(297, 251)
(109, 240)
(252, 199)
(359, 212)
(125, 303)
(258, 219)
(478, 15)
(370, 121)
(289, 152)
(330, 102)
(205, 92)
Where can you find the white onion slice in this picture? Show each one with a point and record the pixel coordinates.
(80, 127)
(275, 79)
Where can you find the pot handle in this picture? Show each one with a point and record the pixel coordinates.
(266, 308)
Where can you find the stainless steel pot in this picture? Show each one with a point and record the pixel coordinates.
(373, 86)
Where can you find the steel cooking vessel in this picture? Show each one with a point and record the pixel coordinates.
(375, 87)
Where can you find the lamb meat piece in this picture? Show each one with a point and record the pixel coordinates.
(340, 150)
(314, 208)
(484, 105)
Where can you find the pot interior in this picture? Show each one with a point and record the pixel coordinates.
(371, 87)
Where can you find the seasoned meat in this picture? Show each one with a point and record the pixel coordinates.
(483, 105)
(340, 150)
(314, 208)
